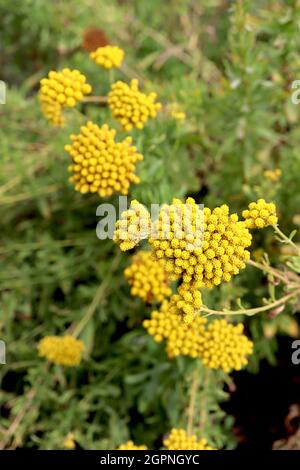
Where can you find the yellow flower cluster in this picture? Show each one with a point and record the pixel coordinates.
(69, 442)
(61, 89)
(179, 439)
(203, 247)
(260, 214)
(131, 107)
(134, 225)
(131, 446)
(176, 113)
(108, 56)
(225, 347)
(187, 301)
(52, 110)
(148, 278)
(219, 344)
(100, 164)
(273, 175)
(65, 350)
(181, 338)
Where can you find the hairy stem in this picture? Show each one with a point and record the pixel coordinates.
(268, 269)
(253, 311)
(95, 99)
(286, 239)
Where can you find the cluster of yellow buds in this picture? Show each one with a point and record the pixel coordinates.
(65, 350)
(176, 113)
(134, 225)
(61, 89)
(69, 441)
(131, 107)
(100, 164)
(181, 338)
(148, 278)
(260, 214)
(225, 346)
(52, 110)
(131, 446)
(188, 302)
(179, 439)
(108, 56)
(220, 345)
(273, 175)
(203, 247)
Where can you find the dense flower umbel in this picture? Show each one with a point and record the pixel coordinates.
(133, 226)
(64, 350)
(219, 344)
(188, 302)
(108, 56)
(225, 347)
(131, 446)
(131, 107)
(61, 89)
(179, 439)
(181, 338)
(69, 441)
(260, 214)
(52, 110)
(148, 278)
(203, 247)
(100, 164)
(273, 175)
(176, 113)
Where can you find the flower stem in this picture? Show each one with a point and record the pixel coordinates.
(253, 311)
(96, 300)
(286, 239)
(191, 408)
(95, 99)
(268, 269)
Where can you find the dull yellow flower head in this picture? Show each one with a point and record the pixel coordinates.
(203, 247)
(176, 113)
(260, 214)
(273, 175)
(108, 56)
(131, 446)
(69, 441)
(131, 107)
(63, 350)
(134, 226)
(168, 324)
(61, 89)
(100, 164)
(179, 439)
(225, 346)
(148, 278)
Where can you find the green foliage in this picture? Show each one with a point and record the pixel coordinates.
(230, 70)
